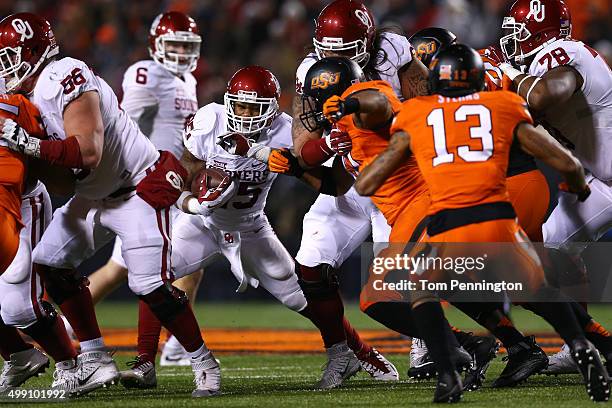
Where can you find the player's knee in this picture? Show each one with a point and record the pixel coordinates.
(62, 284)
(17, 311)
(295, 301)
(319, 282)
(166, 302)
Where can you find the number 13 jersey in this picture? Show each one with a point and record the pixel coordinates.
(462, 144)
(253, 177)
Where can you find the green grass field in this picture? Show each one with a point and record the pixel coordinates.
(272, 380)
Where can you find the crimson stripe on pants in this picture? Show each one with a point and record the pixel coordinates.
(33, 241)
(164, 265)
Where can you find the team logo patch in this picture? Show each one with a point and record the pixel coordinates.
(445, 72)
(536, 10)
(175, 180)
(426, 49)
(324, 80)
(23, 28)
(364, 18)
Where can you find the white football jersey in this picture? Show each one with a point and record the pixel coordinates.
(396, 51)
(253, 176)
(159, 102)
(586, 119)
(126, 152)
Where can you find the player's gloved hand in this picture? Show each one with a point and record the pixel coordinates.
(240, 145)
(17, 139)
(335, 107)
(582, 194)
(284, 162)
(339, 141)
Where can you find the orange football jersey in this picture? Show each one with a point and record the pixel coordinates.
(12, 165)
(403, 185)
(462, 144)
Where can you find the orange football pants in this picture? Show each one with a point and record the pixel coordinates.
(9, 238)
(514, 263)
(530, 198)
(408, 227)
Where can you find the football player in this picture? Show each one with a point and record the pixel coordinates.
(528, 191)
(124, 187)
(21, 303)
(159, 94)
(234, 225)
(482, 212)
(568, 87)
(334, 227)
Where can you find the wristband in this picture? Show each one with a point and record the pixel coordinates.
(65, 153)
(531, 89)
(179, 202)
(509, 70)
(315, 152)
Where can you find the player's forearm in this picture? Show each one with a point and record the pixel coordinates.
(555, 87)
(325, 180)
(414, 79)
(374, 110)
(315, 154)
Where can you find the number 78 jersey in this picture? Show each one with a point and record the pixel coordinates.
(253, 177)
(462, 144)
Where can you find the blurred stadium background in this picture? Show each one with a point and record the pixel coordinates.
(110, 35)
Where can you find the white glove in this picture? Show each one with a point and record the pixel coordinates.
(240, 145)
(18, 140)
(339, 141)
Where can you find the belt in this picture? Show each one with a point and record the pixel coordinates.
(453, 218)
(122, 191)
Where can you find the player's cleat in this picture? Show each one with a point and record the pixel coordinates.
(378, 366)
(483, 351)
(595, 375)
(140, 375)
(207, 376)
(422, 366)
(174, 356)
(524, 360)
(66, 380)
(341, 365)
(561, 363)
(449, 388)
(95, 369)
(22, 366)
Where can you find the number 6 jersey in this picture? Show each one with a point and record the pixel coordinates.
(253, 176)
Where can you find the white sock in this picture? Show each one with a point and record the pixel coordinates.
(93, 345)
(199, 352)
(173, 345)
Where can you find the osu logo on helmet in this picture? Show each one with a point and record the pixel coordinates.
(324, 80)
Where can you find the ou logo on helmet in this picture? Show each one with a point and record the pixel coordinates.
(536, 10)
(363, 17)
(23, 28)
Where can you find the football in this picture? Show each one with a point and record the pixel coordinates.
(209, 184)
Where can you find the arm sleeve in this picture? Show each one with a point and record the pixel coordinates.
(141, 105)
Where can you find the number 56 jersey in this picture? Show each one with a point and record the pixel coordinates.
(462, 145)
(253, 177)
